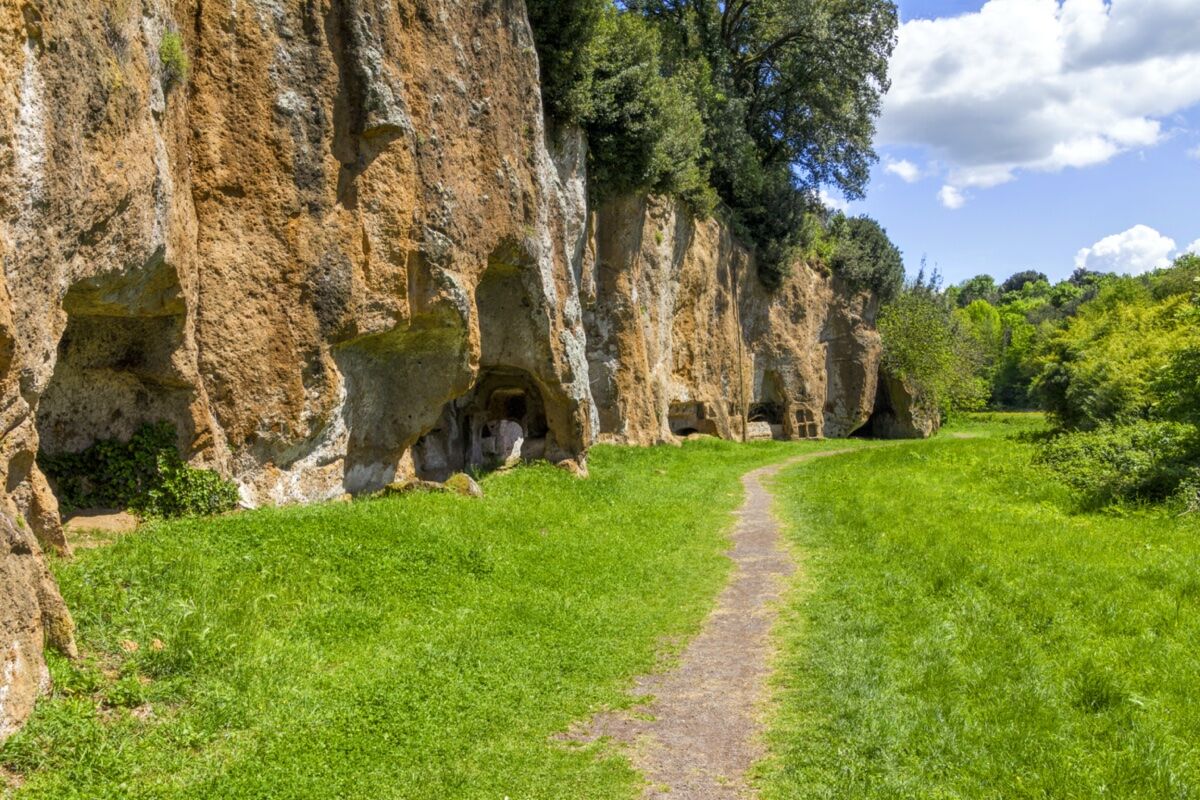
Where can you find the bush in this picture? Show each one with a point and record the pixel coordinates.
(174, 59)
(145, 475)
(1102, 366)
(1147, 461)
(1177, 386)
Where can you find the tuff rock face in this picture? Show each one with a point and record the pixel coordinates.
(347, 252)
(683, 338)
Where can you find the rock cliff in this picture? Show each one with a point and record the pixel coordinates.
(345, 249)
(683, 338)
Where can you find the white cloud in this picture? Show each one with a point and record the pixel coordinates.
(951, 197)
(832, 201)
(1193, 248)
(1137, 250)
(1194, 152)
(1041, 84)
(906, 170)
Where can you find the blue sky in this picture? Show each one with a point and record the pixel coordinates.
(1035, 131)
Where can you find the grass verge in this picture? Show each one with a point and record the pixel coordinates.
(963, 632)
(415, 647)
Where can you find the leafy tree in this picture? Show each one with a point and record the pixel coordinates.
(1017, 282)
(1177, 386)
(924, 345)
(644, 130)
(1101, 366)
(789, 91)
(981, 287)
(865, 257)
(564, 31)
(1182, 277)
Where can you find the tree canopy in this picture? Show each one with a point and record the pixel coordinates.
(782, 95)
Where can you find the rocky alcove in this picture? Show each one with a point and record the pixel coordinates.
(120, 363)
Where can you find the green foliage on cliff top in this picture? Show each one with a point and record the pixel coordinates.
(757, 102)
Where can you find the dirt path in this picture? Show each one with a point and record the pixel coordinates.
(700, 733)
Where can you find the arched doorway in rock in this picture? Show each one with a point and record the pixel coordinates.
(688, 417)
(501, 421)
(505, 416)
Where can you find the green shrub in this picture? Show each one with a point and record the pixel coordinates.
(174, 59)
(145, 475)
(1114, 463)
(1102, 365)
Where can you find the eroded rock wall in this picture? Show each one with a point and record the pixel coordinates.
(347, 250)
(347, 219)
(682, 336)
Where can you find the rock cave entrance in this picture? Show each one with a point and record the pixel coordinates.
(882, 417)
(686, 418)
(504, 417)
(770, 406)
(117, 367)
(500, 422)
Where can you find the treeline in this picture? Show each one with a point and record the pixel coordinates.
(1113, 360)
(750, 106)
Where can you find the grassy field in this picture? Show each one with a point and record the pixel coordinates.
(418, 647)
(958, 630)
(963, 632)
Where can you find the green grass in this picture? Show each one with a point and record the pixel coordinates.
(415, 647)
(962, 632)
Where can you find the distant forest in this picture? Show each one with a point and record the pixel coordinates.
(1113, 360)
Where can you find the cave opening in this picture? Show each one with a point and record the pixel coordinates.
(687, 418)
(500, 422)
(118, 366)
(115, 372)
(770, 406)
(503, 418)
(882, 415)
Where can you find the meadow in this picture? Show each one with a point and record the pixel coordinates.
(424, 646)
(965, 630)
(960, 627)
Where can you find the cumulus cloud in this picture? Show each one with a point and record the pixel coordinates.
(1041, 84)
(1137, 250)
(904, 169)
(832, 201)
(951, 197)
(1193, 248)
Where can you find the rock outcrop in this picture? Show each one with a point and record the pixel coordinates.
(346, 252)
(683, 338)
(900, 413)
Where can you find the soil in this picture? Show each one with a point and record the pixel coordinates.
(98, 527)
(699, 731)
